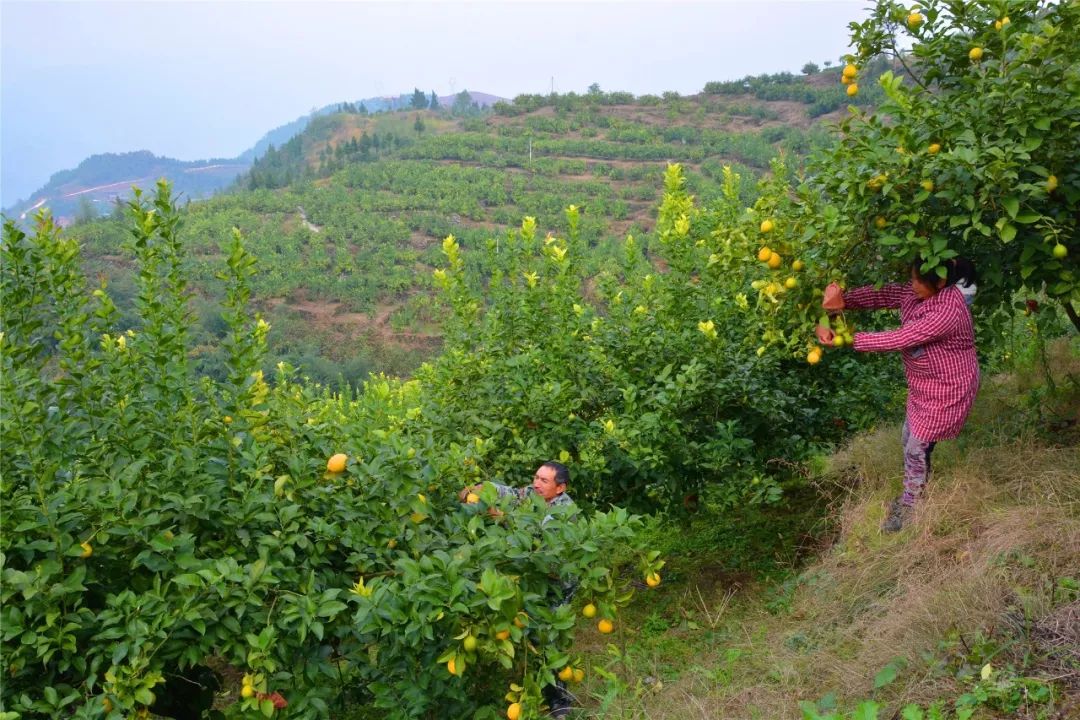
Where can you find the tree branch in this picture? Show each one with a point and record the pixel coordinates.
(1071, 312)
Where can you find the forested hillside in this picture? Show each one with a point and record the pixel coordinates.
(89, 191)
(93, 188)
(346, 218)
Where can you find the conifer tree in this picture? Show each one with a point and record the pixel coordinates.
(419, 100)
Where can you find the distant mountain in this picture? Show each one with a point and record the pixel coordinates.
(282, 134)
(94, 186)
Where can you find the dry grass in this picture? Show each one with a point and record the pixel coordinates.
(1000, 524)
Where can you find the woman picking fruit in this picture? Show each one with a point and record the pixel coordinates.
(936, 340)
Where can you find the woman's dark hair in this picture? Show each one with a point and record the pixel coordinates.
(957, 270)
(562, 473)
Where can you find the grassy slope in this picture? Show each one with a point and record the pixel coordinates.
(986, 574)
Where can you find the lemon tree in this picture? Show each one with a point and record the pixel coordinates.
(163, 533)
(974, 151)
(669, 380)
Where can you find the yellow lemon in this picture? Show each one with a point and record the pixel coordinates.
(513, 712)
(247, 691)
(1060, 251)
(850, 71)
(914, 20)
(975, 54)
(791, 283)
(336, 463)
(798, 265)
(934, 148)
(764, 254)
(605, 626)
(472, 498)
(469, 643)
(1051, 183)
(579, 675)
(775, 260)
(853, 89)
(653, 579)
(766, 226)
(87, 549)
(451, 666)
(589, 611)
(566, 674)
(927, 185)
(813, 357)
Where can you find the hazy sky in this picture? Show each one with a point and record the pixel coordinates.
(195, 80)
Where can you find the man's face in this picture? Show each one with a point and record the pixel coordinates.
(544, 484)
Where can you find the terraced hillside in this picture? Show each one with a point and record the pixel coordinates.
(347, 217)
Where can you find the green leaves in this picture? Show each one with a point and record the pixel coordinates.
(1011, 204)
(496, 587)
(1008, 231)
(889, 673)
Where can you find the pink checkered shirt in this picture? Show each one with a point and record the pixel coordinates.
(936, 339)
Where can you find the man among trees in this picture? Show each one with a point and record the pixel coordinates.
(549, 482)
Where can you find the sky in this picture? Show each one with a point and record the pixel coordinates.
(195, 80)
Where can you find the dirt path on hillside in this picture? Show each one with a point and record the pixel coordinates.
(310, 225)
(330, 318)
(126, 183)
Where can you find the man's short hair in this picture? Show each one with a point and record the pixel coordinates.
(562, 473)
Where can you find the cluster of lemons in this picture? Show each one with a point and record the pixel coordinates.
(248, 688)
(847, 77)
(774, 261)
(571, 674)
